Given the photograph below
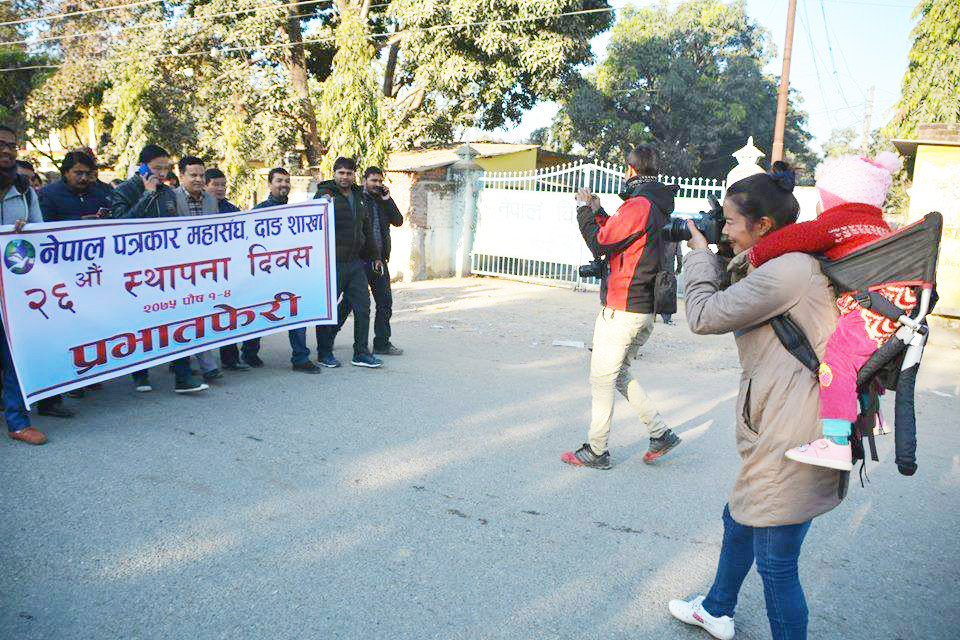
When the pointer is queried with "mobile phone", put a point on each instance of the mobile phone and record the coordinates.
(143, 171)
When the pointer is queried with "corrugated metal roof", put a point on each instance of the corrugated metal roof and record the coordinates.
(414, 161)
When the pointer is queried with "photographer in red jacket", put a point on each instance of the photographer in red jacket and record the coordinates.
(628, 252)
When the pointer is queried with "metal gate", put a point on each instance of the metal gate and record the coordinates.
(527, 228)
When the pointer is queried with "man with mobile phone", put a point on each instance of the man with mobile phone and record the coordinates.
(143, 195)
(73, 197)
(383, 213)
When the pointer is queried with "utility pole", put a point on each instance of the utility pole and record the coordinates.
(776, 153)
(867, 116)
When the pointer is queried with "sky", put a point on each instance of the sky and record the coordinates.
(870, 42)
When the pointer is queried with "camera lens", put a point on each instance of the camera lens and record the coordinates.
(676, 230)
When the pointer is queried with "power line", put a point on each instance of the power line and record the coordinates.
(218, 51)
(68, 14)
(833, 63)
(162, 23)
(816, 66)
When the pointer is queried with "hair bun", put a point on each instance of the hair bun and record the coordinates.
(783, 176)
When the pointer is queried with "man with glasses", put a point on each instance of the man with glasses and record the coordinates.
(18, 206)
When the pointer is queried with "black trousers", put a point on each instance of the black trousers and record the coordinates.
(230, 354)
(382, 298)
(352, 285)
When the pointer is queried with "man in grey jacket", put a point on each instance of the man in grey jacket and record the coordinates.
(19, 205)
(193, 200)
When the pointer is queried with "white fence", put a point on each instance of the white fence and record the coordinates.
(527, 222)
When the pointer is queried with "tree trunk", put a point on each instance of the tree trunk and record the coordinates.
(391, 69)
(298, 79)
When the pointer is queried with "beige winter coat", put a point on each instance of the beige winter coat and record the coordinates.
(778, 403)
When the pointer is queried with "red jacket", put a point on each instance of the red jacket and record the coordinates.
(632, 244)
(835, 233)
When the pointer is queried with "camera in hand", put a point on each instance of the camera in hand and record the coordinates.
(709, 223)
(596, 268)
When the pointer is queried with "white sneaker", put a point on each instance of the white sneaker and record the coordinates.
(692, 612)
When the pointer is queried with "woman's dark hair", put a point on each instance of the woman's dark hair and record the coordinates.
(74, 158)
(345, 163)
(644, 159)
(767, 194)
(151, 152)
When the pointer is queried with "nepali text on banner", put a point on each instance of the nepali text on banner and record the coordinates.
(88, 302)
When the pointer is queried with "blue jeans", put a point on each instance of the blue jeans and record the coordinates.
(14, 409)
(776, 550)
(299, 351)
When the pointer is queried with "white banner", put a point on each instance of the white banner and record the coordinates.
(542, 225)
(86, 302)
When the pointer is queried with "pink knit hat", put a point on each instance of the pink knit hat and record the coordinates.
(854, 179)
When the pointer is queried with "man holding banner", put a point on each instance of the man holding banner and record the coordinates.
(19, 204)
(88, 302)
(144, 195)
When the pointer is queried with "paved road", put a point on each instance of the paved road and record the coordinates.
(427, 500)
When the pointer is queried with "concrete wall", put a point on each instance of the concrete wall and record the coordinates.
(425, 246)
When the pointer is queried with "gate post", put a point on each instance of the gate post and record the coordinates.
(466, 174)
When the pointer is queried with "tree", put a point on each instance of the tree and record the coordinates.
(931, 86)
(506, 56)
(350, 111)
(265, 70)
(16, 85)
(689, 81)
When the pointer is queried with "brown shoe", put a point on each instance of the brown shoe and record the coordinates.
(29, 435)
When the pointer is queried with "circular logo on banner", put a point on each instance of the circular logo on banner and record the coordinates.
(19, 256)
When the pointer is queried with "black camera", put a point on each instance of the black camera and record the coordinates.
(596, 268)
(709, 223)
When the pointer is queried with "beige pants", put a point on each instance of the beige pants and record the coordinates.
(617, 338)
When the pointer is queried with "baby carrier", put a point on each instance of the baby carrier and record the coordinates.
(906, 257)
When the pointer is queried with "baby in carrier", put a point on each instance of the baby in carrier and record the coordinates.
(852, 192)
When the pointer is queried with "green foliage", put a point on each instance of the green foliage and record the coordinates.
(148, 73)
(16, 86)
(484, 75)
(349, 112)
(688, 80)
(931, 86)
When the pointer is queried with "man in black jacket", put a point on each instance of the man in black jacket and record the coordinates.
(143, 195)
(355, 245)
(383, 213)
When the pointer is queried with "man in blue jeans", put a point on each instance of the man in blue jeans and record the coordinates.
(19, 205)
(355, 245)
(278, 180)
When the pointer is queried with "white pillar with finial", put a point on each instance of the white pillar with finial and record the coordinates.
(747, 158)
